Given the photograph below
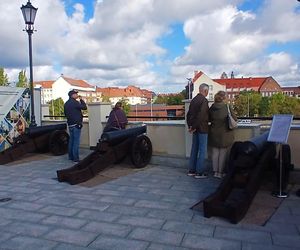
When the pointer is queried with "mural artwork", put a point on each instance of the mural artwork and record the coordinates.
(16, 120)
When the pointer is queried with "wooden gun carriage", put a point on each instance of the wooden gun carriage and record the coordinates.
(53, 138)
(247, 162)
(113, 147)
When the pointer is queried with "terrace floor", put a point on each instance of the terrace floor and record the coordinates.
(141, 209)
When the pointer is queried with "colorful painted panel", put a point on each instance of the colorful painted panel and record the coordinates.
(14, 114)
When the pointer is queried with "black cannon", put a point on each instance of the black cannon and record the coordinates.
(247, 162)
(53, 138)
(113, 147)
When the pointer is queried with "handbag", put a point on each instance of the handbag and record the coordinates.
(231, 122)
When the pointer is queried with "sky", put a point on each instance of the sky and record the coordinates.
(153, 44)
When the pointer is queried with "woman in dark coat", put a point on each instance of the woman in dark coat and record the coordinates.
(220, 137)
(117, 119)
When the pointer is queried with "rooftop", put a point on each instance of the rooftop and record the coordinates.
(143, 209)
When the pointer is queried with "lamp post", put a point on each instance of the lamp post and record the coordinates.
(29, 13)
(189, 88)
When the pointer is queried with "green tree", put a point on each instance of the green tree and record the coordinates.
(56, 107)
(3, 78)
(22, 82)
(105, 99)
(125, 105)
(247, 103)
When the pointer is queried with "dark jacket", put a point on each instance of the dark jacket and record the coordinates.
(220, 136)
(117, 119)
(197, 116)
(72, 109)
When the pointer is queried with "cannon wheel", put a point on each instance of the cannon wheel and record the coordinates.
(141, 151)
(58, 142)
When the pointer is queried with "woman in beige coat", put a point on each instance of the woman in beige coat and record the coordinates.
(220, 137)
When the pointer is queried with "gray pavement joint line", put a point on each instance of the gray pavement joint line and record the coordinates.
(161, 228)
(215, 228)
(272, 240)
(93, 240)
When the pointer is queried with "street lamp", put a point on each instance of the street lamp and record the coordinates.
(189, 90)
(29, 13)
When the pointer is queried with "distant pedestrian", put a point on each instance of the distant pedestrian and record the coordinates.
(197, 120)
(72, 109)
(220, 137)
(117, 119)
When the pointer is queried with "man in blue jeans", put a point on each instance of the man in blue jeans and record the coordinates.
(72, 109)
(197, 120)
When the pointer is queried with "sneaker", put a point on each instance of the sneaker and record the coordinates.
(200, 176)
(191, 173)
(76, 161)
(216, 175)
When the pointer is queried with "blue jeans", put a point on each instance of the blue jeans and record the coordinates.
(73, 147)
(198, 153)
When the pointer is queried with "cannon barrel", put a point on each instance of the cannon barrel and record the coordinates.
(39, 130)
(255, 145)
(120, 135)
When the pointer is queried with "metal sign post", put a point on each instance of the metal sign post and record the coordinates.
(279, 133)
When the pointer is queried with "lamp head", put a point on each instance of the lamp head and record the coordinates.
(29, 13)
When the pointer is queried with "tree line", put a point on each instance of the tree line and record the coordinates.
(22, 79)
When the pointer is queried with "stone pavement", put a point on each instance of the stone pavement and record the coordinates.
(147, 209)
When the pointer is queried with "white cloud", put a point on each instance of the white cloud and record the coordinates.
(119, 45)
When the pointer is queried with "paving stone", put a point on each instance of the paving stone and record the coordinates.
(251, 246)
(30, 243)
(286, 218)
(71, 247)
(137, 189)
(286, 240)
(29, 206)
(242, 235)
(5, 236)
(17, 214)
(129, 210)
(183, 227)
(108, 228)
(142, 195)
(117, 200)
(62, 221)
(157, 236)
(171, 215)
(4, 222)
(84, 197)
(98, 216)
(109, 243)
(202, 242)
(141, 221)
(108, 192)
(282, 228)
(75, 237)
(155, 204)
(180, 199)
(155, 246)
(56, 200)
(27, 229)
(99, 206)
(59, 210)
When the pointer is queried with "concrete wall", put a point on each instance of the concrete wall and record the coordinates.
(170, 138)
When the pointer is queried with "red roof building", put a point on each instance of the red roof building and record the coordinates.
(267, 86)
(291, 91)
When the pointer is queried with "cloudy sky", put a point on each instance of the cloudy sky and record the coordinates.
(153, 44)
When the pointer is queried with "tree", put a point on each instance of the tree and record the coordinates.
(56, 107)
(22, 82)
(3, 78)
(125, 105)
(105, 99)
(247, 103)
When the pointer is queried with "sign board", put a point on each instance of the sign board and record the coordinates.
(280, 128)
